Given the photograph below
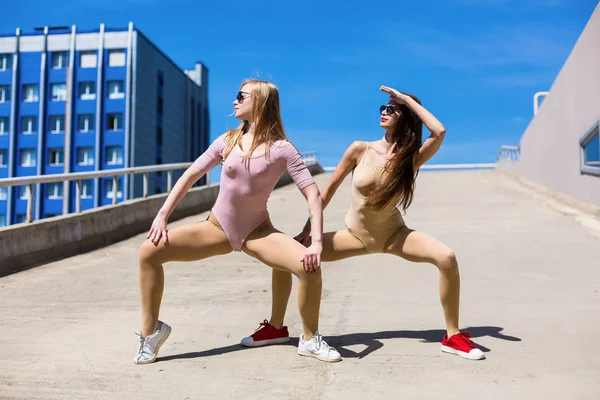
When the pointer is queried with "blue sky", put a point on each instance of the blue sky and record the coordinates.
(474, 63)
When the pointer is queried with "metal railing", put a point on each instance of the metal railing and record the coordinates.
(512, 153)
(78, 177)
(536, 101)
(309, 158)
(436, 167)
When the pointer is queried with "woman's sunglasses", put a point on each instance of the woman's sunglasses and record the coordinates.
(240, 96)
(389, 110)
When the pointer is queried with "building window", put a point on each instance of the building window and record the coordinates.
(56, 157)
(23, 192)
(4, 93)
(115, 90)
(58, 91)
(86, 122)
(108, 189)
(55, 190)
(21, 218)
(87, 91)
(28, 158)
(57, 123)
(590, 151)
(86, 189)
(114, 122)
(31, 93)
(29, 125)
(4, 126)
(114, 155)
(3, 193)
(59, 59)
(5, 62)
(159, 106)
(116, 58)
(85, 156)
(3, 158)
(2, 220)
(88, 59)
(159, 136)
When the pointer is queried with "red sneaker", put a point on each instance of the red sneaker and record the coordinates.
(462, 346)
(266, 334)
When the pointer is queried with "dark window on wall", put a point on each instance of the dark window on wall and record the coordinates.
(193, 136)
(159, 113)
(590, 151)
(5, 62)
(114, 122)
(159, 106)
(159, 136)
(160, 84)
(59, 59)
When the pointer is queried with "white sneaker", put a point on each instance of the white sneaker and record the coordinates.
(148, 346)
(318, 348)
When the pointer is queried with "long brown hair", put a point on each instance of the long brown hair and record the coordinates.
(407, 137)
(266, 116)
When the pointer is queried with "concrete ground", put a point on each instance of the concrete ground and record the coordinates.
(530, 298)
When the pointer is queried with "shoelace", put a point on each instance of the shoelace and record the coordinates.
(265, 324)
(464, 337)
(322, 343)
(142, 344)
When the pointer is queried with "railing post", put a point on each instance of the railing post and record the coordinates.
(208, 178)
(145, 185)
(536, 101)
(169, 180)
(78, 196)
(115, 188)
(29, 217)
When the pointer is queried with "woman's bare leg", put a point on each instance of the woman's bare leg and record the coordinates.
(186, 243)
(418, 247)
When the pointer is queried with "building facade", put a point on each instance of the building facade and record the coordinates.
(75, 101)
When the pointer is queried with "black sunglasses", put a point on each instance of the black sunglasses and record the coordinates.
(240, 96)
(389, 110)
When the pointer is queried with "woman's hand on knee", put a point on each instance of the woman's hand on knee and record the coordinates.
(312, 257)
(158, 230)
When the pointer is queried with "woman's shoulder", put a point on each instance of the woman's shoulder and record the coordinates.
(357, 149)
(283, 145)
(222, 139)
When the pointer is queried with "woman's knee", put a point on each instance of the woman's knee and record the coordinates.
(147, 253)
(447, 260)
(311, 278)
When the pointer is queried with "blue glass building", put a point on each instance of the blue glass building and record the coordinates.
(73, 101)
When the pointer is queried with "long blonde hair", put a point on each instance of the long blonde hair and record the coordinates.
(268, 127)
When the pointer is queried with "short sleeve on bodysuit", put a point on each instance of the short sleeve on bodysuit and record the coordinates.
(295, 166)
(212, 156)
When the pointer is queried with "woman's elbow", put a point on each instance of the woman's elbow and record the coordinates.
(314, 198)
(440, 132)
(190, 176)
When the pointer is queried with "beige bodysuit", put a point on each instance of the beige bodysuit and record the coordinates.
(372, 227)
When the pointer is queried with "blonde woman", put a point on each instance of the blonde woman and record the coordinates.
(253, 158)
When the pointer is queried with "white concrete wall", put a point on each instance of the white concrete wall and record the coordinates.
(550, 146)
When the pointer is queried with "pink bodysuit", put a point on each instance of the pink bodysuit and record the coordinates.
(247, 183)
